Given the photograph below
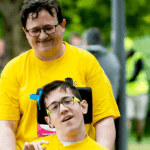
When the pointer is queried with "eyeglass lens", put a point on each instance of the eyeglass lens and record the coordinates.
(47, 29)
(67, 101)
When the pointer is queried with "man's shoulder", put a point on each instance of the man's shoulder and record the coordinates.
(78, 51)
(20, 58)
(17, 62)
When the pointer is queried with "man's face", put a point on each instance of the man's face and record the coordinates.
(45, 45)
(59, 119)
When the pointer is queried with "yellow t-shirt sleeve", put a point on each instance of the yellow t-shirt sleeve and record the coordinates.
(104, 104)
(9, 91)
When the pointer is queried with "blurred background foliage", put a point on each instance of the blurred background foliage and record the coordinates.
(81, 15)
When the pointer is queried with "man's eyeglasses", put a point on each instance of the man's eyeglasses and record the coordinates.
(48, 29)
(66, 101)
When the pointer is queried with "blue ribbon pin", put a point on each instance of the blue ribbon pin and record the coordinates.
(36, 97)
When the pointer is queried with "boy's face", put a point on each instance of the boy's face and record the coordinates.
(67, 120)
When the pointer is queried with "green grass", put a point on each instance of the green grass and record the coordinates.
(133, 145)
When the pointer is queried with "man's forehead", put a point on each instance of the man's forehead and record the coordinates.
(34, 15)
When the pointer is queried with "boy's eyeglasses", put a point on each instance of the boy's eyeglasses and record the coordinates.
(66, 101)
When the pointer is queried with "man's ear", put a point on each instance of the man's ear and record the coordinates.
(24, 30)
(48, 120)
(84, 106)
(63, 24)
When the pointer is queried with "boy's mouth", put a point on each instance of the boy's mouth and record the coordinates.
(67, 118)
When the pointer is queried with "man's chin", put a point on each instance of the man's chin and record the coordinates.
(43, 49)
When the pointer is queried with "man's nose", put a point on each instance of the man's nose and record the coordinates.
(43, 34)
(63, 108)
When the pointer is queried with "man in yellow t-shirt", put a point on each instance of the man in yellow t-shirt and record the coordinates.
(65, 108)
(50, 59)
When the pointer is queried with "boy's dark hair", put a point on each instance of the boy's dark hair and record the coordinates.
(35, 6)
(54, 85)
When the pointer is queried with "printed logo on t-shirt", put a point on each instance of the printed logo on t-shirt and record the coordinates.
(75, 83)
(45, 130)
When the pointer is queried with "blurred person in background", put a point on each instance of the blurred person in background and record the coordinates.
(93, 42)
(2, 51)
(137, 92)
(76, 39)
(50, 59)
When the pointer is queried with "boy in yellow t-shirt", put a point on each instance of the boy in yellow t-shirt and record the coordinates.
(64, 107)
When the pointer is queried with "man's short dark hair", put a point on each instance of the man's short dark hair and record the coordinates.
(93, 36)
(35, 6)
(63, 85)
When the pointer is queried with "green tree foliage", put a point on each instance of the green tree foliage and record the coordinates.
(137, 17)
(1, 26)
(83, 14)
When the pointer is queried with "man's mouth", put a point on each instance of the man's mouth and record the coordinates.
(67, 118)
(45, 41)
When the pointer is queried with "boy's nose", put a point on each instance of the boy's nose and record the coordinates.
(63, 108)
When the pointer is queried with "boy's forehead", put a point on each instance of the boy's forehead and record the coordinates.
(57, 94)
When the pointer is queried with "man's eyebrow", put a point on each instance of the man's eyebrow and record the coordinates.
(35, 28)
(47, 25)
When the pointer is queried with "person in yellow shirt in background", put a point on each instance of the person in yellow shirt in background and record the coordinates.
(137, 92)
(50, 59)
(65, 109)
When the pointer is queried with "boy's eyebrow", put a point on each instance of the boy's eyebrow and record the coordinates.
(59, 100)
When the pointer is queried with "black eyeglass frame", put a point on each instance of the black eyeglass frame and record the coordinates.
(28, 31)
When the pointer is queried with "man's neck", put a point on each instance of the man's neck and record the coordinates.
(53, 54)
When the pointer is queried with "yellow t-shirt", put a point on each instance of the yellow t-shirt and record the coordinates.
(86, 144)
(25, 73)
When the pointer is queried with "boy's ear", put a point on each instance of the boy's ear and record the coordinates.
(84, 106)
(48, 120)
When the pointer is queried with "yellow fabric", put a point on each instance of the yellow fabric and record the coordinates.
(140, 85)
(86, 144)
(25, 73)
